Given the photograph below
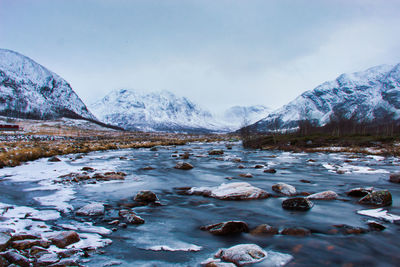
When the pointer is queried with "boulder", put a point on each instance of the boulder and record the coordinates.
(284, 189)
(183, 166)
(64, 239)
(350, 230)
(242, 254)
(216, 152)
(375, 226)
(246, 175)
(36, 249)
(216, 263)
(54, 159)
(45, 259)
(395, 177)
(146, 196)
(325, 195)
(16, 258)
(296, 231)
(297, 203)
(226, 228)
(4, 241)
(230, 191)
(270, 170)
(28, 243)
(377, 198)
(130, 217)
(359, 192)
(22, 236)
(92, 209)
(265, 229)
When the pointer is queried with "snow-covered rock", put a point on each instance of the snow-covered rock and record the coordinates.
(363, 96)
(231, 191)
(29, 90)
(380, 214)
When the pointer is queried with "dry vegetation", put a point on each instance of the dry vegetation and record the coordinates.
(13, 153)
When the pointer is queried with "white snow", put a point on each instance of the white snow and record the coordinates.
(380, 213)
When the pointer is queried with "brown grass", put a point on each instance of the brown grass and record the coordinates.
(17, 152)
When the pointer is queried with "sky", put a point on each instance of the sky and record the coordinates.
(218, 53)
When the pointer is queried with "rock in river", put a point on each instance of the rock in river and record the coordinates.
(359, 192)
(395, 177)
(92, 209)
(285, 189)
(296, 231)
(265, 229)
(325, 195)
(226, 228)
(183, 166)
(146, 196)
(297, 203)
(377, 198)
(130, 217)
(216, 152)
(230, 191)
(64, 239)
(242, 254)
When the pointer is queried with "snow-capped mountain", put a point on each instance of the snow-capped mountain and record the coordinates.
(365, 96)
(239, 116)
(164, 111)
(29, 90)
(156, 111)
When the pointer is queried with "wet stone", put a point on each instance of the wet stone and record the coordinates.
(88, 169)
(375, 226)
(16, 258)
(146, 196)
(28, 243)
(54, 159)
(130, 217)
(325, 195)
(4, 241)
(395, 177)
(359, 192)
(36, 249)
(298, 203)
(64, 239)
(46, 259)
(265, 229)
(216, 152)
(92, 209)
(246, 175)
(242, 254)
(183, 166)
(65, 262)
(296, 231)
(3, 262)
(284, 189)
(226, 228)
(377, 198)
(350, 230)
(271, 170)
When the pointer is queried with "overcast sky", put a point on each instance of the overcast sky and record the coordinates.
(219, 53)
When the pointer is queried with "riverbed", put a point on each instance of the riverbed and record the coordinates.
(171, 236)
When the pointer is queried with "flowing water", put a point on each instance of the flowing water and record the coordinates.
(171, 236)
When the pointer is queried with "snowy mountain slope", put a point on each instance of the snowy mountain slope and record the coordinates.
(369, 95)
(29, 90)
(239, 116)
(164, 111)
(157, 111)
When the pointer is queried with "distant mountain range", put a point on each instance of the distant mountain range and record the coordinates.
(29, 90)
(164, 111)
(367, 96)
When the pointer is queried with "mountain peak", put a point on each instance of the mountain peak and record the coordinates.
(27, 89)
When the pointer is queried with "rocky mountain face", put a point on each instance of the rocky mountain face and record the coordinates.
(367, 96)
(164, 111)
(29, 90)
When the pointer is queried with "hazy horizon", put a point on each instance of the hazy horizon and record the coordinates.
(217, 53)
